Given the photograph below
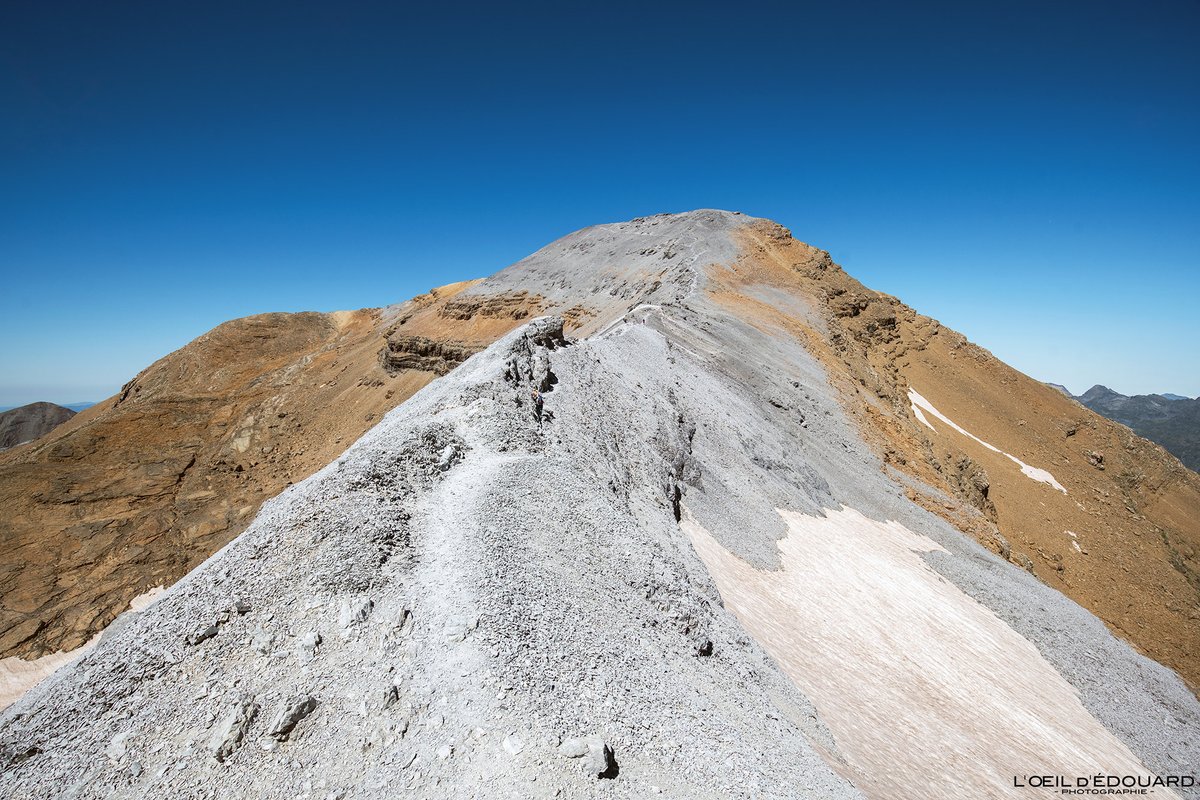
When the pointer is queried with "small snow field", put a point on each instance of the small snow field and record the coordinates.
(910, 674)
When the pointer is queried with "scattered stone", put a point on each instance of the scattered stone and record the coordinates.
(513, 745)
(229, 733)
(203, 634)
(456, 630)
(596, 756)
(354, 613)
(447, 457)
(307, 646)
(295, 709)
(573, 748)
(263, 642)
(240, 607)
(445, 751)
(401, 618)
(116, 746)
(600, 760)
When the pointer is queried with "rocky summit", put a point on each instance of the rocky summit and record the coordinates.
(672, 507)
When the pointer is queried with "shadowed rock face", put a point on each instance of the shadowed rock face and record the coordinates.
(26, 423)
(488, 586)
(422, 353)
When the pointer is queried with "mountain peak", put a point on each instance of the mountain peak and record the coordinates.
(610, 268)
(1099, 391)
(26, 423)
(650, 503)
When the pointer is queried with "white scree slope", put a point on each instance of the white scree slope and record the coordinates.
(475, 601)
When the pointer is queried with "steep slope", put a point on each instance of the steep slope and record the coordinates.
(1169, 420)
(26, 423)
(484, 596)
(142, 487)
(1069, 495)
(137, 490)
(723, 557)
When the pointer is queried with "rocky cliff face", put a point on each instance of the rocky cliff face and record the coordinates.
(767, 533)
(26, 423)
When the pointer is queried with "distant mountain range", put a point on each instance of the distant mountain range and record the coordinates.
(26, 423)
(76, 407)
(1170, 420)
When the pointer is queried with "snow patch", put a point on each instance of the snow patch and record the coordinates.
(909, 673)
(146, 599)
(921, 417)
(1035, 473)
(18, 676)
(1074, 541)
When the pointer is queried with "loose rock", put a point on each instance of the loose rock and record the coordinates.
(229, 733)
(294, 710)
(116, 747)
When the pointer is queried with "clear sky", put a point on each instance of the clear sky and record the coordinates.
(1025, 172)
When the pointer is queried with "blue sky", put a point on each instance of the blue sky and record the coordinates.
(1026, 173)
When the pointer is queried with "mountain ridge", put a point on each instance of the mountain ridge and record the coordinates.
(485, 590)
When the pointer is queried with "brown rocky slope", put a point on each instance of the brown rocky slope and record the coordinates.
(1122, 539)
(137, 490)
